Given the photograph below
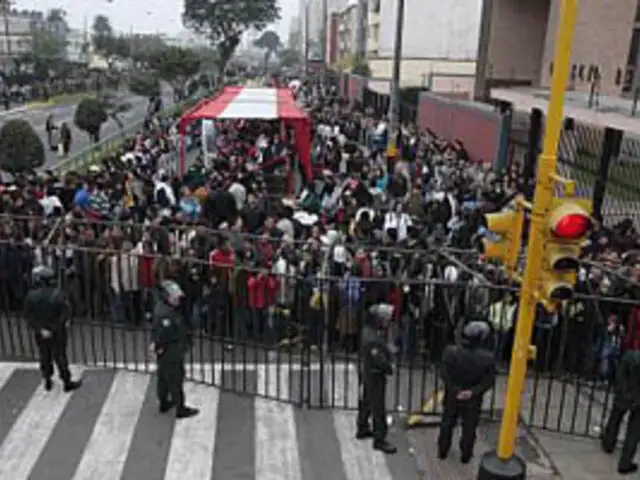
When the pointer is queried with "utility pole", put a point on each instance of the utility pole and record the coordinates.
(394, 98)
(361, 28)
(324, 34)
(503, 464)
(306, 38)
(5, 5)
(480, 90)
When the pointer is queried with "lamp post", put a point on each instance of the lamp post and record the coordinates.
(394, 97)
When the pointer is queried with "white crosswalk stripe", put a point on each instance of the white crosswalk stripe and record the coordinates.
(111, 429)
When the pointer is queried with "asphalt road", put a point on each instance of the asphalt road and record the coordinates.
(37, 116)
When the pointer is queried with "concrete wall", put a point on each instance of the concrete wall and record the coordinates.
(432, 28)
(414, 72)
(517, 39)
(602, 38)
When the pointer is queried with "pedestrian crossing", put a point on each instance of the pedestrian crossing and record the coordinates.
(111, 429)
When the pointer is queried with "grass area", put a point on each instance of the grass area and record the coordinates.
(59, 100)
(623, 181)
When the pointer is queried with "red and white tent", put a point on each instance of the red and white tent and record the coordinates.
(257, 103)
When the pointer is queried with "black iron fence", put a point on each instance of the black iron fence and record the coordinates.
(602, 161)
(295, 336)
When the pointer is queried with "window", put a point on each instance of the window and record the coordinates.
(638, 11)
(618, 79)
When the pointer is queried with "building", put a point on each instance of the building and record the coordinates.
(78, 46)
(16, 31)
(440, 42)
(315, 18)
(348, 34)
(521, 42)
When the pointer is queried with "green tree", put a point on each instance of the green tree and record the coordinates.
(288, 58)
(20, 147)
(361, 67)
(48, 53)
(145, 85)
(89, 116)
(175, 65)
(224, 22)
(270, 42)
(102, 34)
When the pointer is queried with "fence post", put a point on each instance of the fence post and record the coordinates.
(610, 148)
(533, 150)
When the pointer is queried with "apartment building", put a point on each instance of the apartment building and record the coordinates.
(312, 23)
(16, 30)
(348, 34)
(440, 41)
(522, 39)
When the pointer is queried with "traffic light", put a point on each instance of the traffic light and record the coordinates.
(568, 224)
(507, 225)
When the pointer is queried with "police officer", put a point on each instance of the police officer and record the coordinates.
(375, 366)
(169, 345)
(46, 311)
(626, 399)
(468, 371)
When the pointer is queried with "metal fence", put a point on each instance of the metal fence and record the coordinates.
(603, 164)
(295, 337)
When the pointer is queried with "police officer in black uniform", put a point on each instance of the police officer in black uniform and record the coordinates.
(468, 371)
(626, 399)
(376, 365)
(46, 311)
(169, 344)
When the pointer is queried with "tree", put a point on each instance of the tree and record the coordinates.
(89, 116)
(288, 58)
(20, 147)
(175, 65)
(269, 41)
(48, 53)
(224, 22)
(102, 36)
(361, 67)
(144, 85)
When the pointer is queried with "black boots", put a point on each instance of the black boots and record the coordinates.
(69, 386)
(381, 445)
(186, 412)
(72, 385)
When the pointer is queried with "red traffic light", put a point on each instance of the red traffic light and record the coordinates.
(570, 221)
(572, 226)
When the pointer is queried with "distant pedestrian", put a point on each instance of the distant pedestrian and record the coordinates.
(626, 399)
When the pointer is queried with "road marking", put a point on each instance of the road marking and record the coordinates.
(193, 441)
(106, 453)
(29, 435)
(276, 443)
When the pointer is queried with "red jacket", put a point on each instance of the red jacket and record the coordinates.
(261, 291)
(145, 271)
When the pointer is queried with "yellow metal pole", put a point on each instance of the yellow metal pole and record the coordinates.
(541, 202)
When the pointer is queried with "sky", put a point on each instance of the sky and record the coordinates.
(145, 16)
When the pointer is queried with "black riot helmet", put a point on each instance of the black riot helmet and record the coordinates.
(475, 334)
(42, 276)
(171, 293)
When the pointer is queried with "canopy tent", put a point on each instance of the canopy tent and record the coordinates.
(256, 103)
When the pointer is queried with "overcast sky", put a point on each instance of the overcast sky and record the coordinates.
(162, 16)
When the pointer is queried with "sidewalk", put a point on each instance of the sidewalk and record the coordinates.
(549, 456)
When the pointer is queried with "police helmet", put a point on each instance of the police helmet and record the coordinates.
(42, 276)
(171, 292)
(475, 333)
(380, 314)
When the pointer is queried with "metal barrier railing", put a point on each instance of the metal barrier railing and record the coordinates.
(304, 330)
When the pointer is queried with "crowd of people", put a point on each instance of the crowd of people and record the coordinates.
(265, 257)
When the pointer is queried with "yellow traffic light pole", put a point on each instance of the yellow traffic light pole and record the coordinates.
(542, 200)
